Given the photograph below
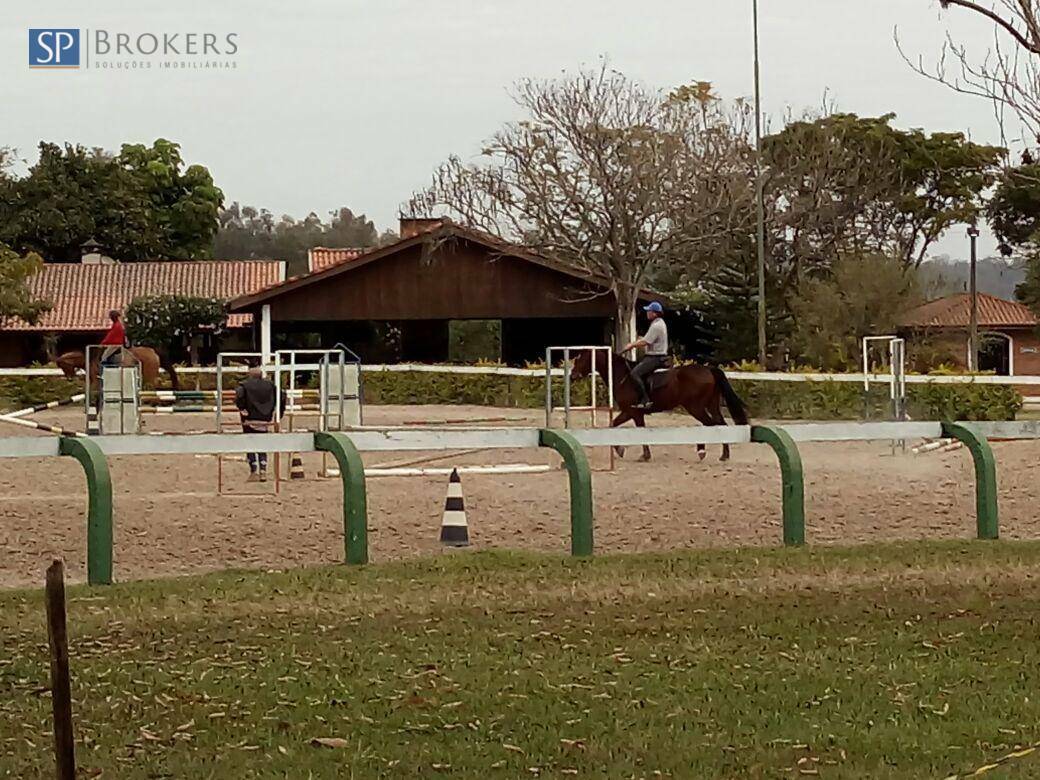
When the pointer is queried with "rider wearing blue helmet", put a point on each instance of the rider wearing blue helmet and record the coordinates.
(656, 356)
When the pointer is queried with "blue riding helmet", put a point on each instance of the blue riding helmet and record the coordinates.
(655, 307)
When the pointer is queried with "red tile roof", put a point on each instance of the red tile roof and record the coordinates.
(954, 311)
(82, 295)
(321, 257)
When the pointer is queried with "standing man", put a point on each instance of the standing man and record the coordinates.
(656, 356)
(255, 399)
(114, 341)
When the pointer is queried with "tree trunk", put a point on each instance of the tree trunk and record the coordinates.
(625, 316)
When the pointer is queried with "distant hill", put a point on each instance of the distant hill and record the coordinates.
(994, 275)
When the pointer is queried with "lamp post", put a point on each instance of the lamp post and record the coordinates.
(759, 200)
(973, 327)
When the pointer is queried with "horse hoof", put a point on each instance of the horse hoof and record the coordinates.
(619, 451)
(644, 458)
(701, 454)
(724, 458)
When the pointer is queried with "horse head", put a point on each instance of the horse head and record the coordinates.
(581, 366)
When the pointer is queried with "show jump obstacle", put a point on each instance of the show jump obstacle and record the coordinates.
(117, 408)
(335, 405)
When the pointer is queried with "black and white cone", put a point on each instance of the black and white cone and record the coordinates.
(454, 530)
(296, 467)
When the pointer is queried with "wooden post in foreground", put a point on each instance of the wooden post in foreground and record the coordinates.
(61, 688)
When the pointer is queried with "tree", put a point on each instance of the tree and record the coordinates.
(1014, 216)
(246, 232)
(171, 323)
(610, 177)
(842, 182)
(838, 186)
(1008, 75)
(140, 204)
(863, 296)
(16, 299)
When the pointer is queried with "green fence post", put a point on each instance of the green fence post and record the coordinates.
(791, 478)
(355, 500)
(99, 506)
(581, 487)
(986, 517)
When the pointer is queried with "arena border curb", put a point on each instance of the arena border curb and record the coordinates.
(580, 475)
(99, 506)
(987, 522)
(792, 480)
(355, 498)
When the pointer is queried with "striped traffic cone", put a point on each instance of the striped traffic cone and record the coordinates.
(296, 467)
(454, 531)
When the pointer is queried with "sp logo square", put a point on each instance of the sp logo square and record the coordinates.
(53, 48)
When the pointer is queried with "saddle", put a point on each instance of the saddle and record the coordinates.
(661, 375)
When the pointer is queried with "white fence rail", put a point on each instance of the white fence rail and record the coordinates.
(503, 438)
(762, 376)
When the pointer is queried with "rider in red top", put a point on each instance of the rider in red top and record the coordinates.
(115, 339)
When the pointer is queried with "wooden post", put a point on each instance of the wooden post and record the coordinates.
(61, 689)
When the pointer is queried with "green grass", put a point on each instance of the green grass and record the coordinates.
(906, 661)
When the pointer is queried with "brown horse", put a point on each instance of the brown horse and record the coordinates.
(146, 357)
(699, 390)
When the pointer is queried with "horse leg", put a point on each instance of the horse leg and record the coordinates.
(622, 417)
(719, 419)
(640, 420)
(703, 416)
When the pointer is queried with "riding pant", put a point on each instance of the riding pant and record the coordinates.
(645, 368)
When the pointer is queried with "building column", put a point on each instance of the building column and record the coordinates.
(265, 333)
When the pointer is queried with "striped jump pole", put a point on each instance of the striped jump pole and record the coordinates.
(49, 405)
(39, 426)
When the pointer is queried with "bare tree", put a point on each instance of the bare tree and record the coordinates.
(1008, 74)
(610, 177)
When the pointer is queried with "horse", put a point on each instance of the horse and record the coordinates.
(699, 390)
(146, 357)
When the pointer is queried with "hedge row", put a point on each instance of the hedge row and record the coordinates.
(765, 399)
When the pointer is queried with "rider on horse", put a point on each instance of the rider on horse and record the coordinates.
(114, 341)
(656, 356)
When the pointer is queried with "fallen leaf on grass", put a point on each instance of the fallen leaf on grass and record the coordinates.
(512, 748)
(330, 742)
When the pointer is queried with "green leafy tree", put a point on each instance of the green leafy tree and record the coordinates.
(246, 232)
(863, 296)
(841, 186)
(1014, 216)
(16, 299)
(171, 323)
(140, 204)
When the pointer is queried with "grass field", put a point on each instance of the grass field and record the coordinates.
(907, 661)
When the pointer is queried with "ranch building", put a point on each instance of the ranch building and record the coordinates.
(82, 294)
(1009, 343)
(441, 292)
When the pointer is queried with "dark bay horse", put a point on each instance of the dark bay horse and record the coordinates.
(699, 390)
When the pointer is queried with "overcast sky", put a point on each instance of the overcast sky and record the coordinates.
(354, 103)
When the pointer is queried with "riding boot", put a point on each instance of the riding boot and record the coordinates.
(644, 396)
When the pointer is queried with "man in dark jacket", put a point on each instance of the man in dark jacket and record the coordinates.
(255, 399)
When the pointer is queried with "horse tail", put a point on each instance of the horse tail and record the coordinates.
(733, 403)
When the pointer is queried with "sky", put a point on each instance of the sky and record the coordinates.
(354, 104)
